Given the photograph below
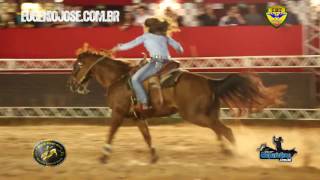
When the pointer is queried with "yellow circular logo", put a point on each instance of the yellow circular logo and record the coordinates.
(49, 153)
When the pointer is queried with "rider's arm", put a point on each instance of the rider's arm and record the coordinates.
(177, 46)
(131, 44)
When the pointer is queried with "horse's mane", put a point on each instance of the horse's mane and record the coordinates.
(86, 49)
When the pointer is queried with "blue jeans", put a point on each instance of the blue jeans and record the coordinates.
(149, 69)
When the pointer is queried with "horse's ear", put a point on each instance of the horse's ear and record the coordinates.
(85, 48)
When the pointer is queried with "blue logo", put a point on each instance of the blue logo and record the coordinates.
(282, 155)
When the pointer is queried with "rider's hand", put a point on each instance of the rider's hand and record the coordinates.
(180, 50)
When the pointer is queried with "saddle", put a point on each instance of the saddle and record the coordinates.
(167, 77)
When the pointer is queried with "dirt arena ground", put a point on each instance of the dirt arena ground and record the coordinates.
(186, 152)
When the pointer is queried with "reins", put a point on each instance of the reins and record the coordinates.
(95, 63)
(91, 66)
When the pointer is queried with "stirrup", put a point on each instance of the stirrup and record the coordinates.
(133, 100)
(132, 109)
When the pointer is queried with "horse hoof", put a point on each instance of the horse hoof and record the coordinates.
(154, 159)
(230, 137)
(232, 141)
(103, 159)
(227, 152)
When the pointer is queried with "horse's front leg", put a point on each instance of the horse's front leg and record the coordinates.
(116, 121)
(144, 129)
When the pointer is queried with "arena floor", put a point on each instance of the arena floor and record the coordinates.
(186, 152)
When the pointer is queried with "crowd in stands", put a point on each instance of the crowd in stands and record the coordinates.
(198, 14)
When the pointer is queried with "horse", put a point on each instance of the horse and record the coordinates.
(196, 98)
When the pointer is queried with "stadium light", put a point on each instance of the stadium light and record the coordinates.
(31, 7)
(315, 2)
(169, 4)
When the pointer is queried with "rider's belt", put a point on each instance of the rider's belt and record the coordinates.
(159, 59)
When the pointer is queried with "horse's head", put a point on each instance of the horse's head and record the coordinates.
(87, 58)
(80, 74)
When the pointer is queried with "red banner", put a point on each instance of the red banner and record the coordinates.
(197, 41)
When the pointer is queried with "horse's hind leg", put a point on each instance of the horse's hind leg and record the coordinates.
(116, 121)
(220, 129)
(208, 121)
(211, 121)
(144, 129)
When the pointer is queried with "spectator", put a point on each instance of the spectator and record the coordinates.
(253, 17)
(8, 19)
(232, 18)
(128, 20)
(208, 18)
(292, 19)
(173, 17)
(141, 15)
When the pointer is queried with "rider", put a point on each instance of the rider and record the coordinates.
(156, 41)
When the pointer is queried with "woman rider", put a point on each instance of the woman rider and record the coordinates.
(156, 41)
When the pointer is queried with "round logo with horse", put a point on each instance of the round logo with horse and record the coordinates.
(49, 153)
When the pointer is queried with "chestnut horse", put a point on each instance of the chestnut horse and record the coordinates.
(196, 98)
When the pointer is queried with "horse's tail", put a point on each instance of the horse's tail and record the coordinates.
(245, 92)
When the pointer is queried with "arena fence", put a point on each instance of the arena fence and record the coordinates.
(105, 112)
(198, 64)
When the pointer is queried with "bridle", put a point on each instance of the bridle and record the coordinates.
(95, 63)
(90, 67)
